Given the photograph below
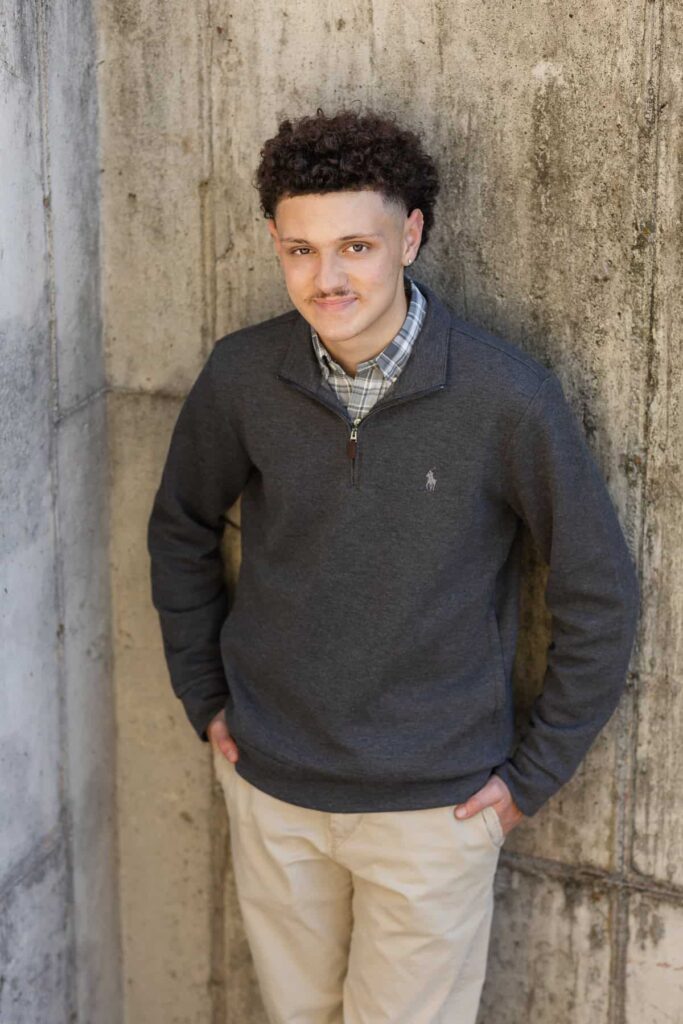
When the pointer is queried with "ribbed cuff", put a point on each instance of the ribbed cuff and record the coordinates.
(202, 703)
(529, 785)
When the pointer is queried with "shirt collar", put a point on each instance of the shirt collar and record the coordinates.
(392, 357)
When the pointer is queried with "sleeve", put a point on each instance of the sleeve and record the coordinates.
(205, 471)
(553, 483)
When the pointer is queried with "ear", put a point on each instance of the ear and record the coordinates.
(412, 234)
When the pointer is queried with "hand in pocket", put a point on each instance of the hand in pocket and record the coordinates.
(219, 736)
(494, 793)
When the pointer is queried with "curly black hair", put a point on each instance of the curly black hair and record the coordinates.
(348, 151)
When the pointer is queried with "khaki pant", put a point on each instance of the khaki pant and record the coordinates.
(362, 918)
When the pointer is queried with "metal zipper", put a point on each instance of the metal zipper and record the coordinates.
(351, 446)
(352, 440)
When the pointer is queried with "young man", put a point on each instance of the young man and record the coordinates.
(357, 691)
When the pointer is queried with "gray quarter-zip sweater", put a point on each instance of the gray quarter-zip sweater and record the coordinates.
(365, 657)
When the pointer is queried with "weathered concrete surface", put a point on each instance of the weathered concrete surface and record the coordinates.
(90, 748)
(654, 972)
(58, 926)
(164, 789)
(172, 827)
(550, 954)
(155, 148)
(658, 795)
(556, 130)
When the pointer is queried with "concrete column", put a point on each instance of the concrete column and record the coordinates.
(59, 932)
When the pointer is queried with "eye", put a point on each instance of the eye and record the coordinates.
(364, 244)
(293, 252)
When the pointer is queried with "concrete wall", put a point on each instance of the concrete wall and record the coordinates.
(59, 948)
(557, 129)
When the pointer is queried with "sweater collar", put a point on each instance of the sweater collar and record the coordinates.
(425, 370)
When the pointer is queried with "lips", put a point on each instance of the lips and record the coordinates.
(333, 305)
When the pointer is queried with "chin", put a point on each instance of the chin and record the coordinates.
(339, 333)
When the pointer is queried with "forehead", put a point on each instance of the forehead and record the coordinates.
(331, 216)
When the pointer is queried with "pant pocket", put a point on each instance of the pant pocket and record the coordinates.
(223, 768)
(493, 826)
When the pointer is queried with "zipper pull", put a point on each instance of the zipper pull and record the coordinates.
(352, 444)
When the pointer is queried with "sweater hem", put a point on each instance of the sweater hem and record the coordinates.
(296, 785)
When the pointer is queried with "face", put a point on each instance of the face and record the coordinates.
(343, 255)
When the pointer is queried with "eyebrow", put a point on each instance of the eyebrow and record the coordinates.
(343, 238)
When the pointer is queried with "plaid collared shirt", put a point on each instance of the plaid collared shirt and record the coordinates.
(374, 376)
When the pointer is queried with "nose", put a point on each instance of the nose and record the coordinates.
(330, 279)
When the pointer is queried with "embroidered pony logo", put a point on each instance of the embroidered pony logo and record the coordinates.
(431, 481)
